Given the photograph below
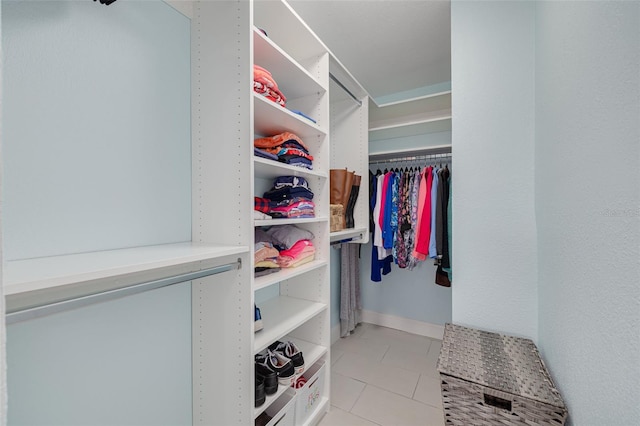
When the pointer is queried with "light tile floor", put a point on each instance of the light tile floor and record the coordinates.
(385, 377)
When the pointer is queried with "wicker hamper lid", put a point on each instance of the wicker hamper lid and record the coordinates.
(506, 363)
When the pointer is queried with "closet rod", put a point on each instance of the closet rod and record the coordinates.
(65, 305)
(346, 240)
(342, 86)
(439, 156)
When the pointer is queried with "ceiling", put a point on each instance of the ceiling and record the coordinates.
(390, 46)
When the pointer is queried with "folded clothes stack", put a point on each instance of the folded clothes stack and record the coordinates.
(264, 84)
(284, 246)
(296, 246)
(265, 254)
(285, 147)
(300, 253)
(289, 197)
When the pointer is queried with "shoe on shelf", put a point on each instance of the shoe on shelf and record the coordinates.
(270, 379)
(260, 396)
(257, 319)
(277, 363)
(290, 350)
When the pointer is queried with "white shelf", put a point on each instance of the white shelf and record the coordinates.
(280, 316)
(412, 117)
(286, 273)
(311, 352)
(29, 275)
(354, 233)
(292, 79)
(397, 110)
(414, 127)
(271, 119)
(286, 28)
(411, 152)
(265, 168)
(285, 221)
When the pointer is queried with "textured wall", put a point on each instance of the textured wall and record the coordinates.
(494, 251)
(588, 205)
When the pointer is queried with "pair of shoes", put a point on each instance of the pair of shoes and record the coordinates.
(290, 350)
(279, 364)
(257, 319)
(260, 395)
(270, 379)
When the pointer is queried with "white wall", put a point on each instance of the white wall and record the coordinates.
(588, 205)
(95, 135)
(571, 277)
(122, 362)
(494, 234)
(96, 100)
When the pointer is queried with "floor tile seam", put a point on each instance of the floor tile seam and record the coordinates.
(333, 361)
(401, 365)
(365, 382)
(396, 340)
(374, 341)
(353, 352)
(399, 350)
(396, 393)
(356, 403)
(416, 388)
(349, 377)
(355, 415)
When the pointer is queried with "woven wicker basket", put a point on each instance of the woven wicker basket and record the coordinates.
(492, 379)
(336, 217)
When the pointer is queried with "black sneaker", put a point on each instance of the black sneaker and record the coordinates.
(290, 350)
(277, 363)
(270, 379)
(260, 396)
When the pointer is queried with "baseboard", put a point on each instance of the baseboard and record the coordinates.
(433, 331)
(335, 333)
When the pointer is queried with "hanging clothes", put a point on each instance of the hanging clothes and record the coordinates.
(409, 217)
(433, 253)
(380, 259)
(350, 306)
(424, 219)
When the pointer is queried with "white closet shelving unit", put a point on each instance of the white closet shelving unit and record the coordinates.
(297, 299)
(294, 303)
(350, 143)
(417, 116)
(226, 116)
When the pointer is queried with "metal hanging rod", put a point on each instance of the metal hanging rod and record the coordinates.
(345, 240)
(65, 305)
(342, 86)
(427, 157)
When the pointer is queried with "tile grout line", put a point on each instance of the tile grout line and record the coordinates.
(416, 388)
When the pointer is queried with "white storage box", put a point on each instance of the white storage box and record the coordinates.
(282, 409)
(310, 396)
